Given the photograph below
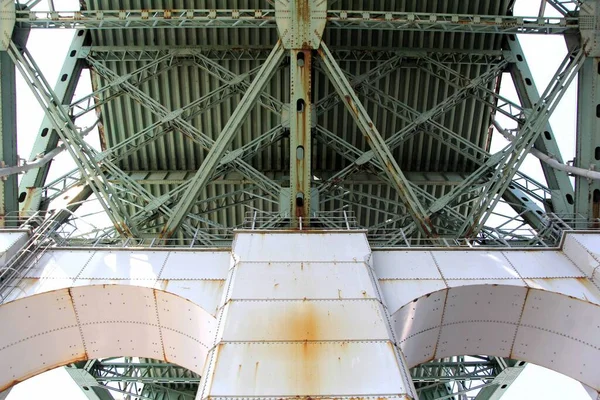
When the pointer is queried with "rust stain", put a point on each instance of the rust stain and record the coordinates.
(44, 368)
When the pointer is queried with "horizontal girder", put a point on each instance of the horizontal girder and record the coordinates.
(265, 18)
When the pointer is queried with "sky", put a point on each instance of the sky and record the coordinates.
(544, 54)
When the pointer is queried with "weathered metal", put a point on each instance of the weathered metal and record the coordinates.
(74, 324)
(299, 322)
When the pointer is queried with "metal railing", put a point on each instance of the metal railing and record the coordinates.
(47, 233)
(555, 225)
(333, 220)
(19, 265)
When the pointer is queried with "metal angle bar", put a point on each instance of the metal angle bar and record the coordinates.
(531, 130)
(141, 75)
(265, 18)
(425, 118)
(8, 138)
(500, 168)
(459, 143)
(47, 138)
(261, 52)
(587, 192)
(81, 153)
(379, 146)
(373, 75)
(565, 7)
(211, 161)
(481, 93)
(558, 180)
(176, 118)
(228, 77)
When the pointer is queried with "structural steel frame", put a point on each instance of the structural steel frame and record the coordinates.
(413, 215)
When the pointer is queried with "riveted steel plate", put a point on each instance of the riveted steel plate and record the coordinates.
(303, 320)
(471, 282)
(310, 247)
(474, 265)
(181, 315)
(131, 265)
(131, 304)
(119, 319)
(419, 315)
(11, 242)
(399, 264)
(302, 280)
(148, 283)
(31, 286)
(60, 264)
(184, 351)
(579, 254)
(27, 317)
(303, 369)
(476, 337)
(563, 315)
(7, 22)
(421, 347)
(398, 293)
(40, 354)
(206, 293)
(197, 265)
(484, 302)
(543, 264)
(580, 288)
(301, 23)
(561, 354)
(590, 241)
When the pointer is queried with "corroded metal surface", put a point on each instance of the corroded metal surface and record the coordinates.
(308, 314)
(69, 325)
(301, 23)
(313, 337)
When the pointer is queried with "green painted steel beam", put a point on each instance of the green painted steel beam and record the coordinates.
(80, 151)
(89, 386)
(47, 138)
(587, 155)
(558, 181)
(219, 147)
(301, 121)
(265, 18)
(8, 137)
(496, 174)
(378, 145)
(261, 52)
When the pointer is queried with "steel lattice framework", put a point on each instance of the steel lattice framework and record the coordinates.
(215, 119)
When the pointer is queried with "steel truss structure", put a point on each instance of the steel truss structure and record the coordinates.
(476, 377)
(215, 119)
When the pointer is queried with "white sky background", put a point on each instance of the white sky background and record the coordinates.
(544, 54)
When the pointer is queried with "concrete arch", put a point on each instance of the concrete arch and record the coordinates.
(48, 330)
(544, 327)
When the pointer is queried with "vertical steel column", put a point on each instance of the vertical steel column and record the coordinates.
(587, 191)
(558, 181)
(30, 187)
(301, 338)
(8, 135)
(300, 134)
(587, 153)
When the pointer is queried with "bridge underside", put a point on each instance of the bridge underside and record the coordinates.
(309, 116)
